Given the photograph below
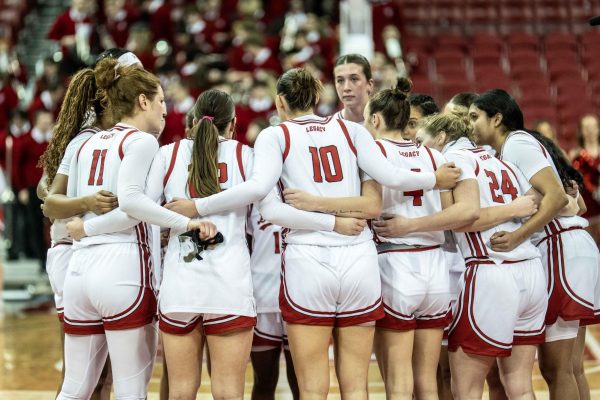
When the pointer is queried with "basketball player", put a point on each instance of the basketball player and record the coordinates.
(513, 279)
(270, 334)
(67, 137)
(330, 282)
(569, 255)
(354, 85)
(108, 295)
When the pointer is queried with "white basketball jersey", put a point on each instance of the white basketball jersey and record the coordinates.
(499, 183)
(98, 162)
(320, 158)
(412, 204)
(530, 156)
(231, 224)
(58, 229)
(265, 262)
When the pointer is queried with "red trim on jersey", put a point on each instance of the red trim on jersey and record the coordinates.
(311, 121)
(266, 339)
(83, 327)
(81, 147)
(238, 154)
(286, 136)
(510, 169)
(239, 322)
(416, 249)
(347, 134)
(382, 148)
(402, 144)
(121, 155)
(172, 163)
(476, 245)
(476, 168)
(175, 327)
(431, 156)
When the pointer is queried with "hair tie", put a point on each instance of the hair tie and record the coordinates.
(207, 117)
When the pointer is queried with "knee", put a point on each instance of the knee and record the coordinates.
(183, 392)
(551, 371)
(265, 383)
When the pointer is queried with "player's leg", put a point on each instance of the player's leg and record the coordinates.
(425, 360)
(85, 356)
(394, 355)
(183, 342)
(495, 387)
(468, 374)
(104, 386)
(291, 373)
(578, 367)
(515, 372)
(444, 376)
(309, 345)
(265, 364)
(555, 360)
(132, 353)
(229, 353)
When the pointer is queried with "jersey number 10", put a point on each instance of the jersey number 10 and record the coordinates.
(329, 158)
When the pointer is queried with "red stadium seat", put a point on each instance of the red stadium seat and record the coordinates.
(522, 40)
(451, 41)
(486, 56)
(560, 40)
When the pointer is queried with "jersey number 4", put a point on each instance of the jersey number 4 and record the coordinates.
(327, 159)
(417, 195)
(97, 155)
(507, 186)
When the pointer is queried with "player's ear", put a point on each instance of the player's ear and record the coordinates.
(440, 139)
(497, 120)
(143, 102)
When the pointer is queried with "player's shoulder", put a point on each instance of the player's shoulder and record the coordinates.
(517, 137)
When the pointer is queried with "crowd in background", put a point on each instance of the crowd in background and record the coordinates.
(238, 46)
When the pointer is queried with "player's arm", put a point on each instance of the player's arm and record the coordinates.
(367, 205)
(374, 164)
(42, 187)
(528, 158)
(460, 207)
(266, 170)
(138, 154)
(57, 205)
(489, 217)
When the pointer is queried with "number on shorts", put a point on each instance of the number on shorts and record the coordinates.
(417, 195)
(277, 245)
(507, 186)
(326, 156)
(98, 154)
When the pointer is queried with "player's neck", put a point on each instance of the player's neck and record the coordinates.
(299, 114)
(395, 135)
(354, 114)
(498, 142)
(134, 121)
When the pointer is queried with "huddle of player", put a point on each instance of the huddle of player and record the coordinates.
(490, 247)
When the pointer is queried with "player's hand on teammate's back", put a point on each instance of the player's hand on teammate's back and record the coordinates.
(524, 206)
(504, 241)
(75, 228)
(446, 176)
(300, 199)
(391, 225)
(207, 229)
(349, 226)
(101, 202)
(183, 206)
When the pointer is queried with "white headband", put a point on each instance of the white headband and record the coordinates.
(128, 59)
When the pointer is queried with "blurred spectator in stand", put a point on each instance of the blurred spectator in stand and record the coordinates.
(49, 100)
(587, 161)
(385, 13)
(253, 130)
(74, 30)
(260, 105)
(50, 76)
(140, 43)
(8, 99)
(545, 127)
(181, 102)
(159, 16)
(295, 19)
(119, 19)
(14, 212)
(257, 56)
(9, 62)
(328, 103)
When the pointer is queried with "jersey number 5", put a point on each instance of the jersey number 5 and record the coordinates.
(97, 155)
(507, 186)
(327, 157)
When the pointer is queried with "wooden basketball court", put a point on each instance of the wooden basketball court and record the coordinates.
(31, 360)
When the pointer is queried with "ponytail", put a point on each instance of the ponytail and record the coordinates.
(204, 172)
(393, 105)
(76, 108)
(214, 110)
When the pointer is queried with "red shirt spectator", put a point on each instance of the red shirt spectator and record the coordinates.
(8, 102)
(175, 121)
(119, 19)
(70, 23)
(30, 149)
(49, 100)
(161, 23)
